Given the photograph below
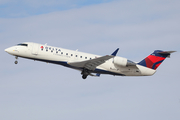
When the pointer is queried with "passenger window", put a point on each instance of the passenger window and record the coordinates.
(76, 56)
(47, 50)
(71, 54)
(66, 53)
(85, 57)
(56, 51)
(81, 56)
(61, 52)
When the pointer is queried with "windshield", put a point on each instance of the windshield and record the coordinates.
(22, 44)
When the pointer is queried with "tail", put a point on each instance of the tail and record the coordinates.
(155, 59)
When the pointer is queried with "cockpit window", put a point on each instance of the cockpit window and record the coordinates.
(22, 44)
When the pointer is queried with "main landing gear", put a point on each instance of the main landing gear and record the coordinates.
(85, 73)
(16, 62)
(84, 76)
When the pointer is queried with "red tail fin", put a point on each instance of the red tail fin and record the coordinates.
(155, 59)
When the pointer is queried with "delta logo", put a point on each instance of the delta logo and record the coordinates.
(50, 48)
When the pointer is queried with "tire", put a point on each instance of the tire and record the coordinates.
(84, 76)
(16, 62)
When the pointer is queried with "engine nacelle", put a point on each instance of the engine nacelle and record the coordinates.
(120, 61)
(123, 62)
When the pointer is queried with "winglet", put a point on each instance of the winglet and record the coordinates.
(98, 75)
(115, 52)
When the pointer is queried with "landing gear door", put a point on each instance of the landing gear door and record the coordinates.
(35, 49)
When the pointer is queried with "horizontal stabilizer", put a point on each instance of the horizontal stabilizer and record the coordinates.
(168, 53)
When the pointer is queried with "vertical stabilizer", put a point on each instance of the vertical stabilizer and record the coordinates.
(155, 59)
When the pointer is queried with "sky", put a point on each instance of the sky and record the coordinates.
(33, 90)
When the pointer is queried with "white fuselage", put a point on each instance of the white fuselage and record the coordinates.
(62, 56)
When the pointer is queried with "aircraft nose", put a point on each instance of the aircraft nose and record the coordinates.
(9, 50)
(6, 50)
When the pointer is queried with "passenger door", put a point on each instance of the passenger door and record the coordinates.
(35, 49)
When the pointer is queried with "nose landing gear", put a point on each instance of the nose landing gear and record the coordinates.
(16, 62)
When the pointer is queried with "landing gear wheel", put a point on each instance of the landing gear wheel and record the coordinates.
(16, 62)
(85, 73)
(84, 76)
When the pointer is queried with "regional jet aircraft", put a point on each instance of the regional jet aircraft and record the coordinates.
(89, 64)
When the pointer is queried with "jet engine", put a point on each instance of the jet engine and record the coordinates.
(123, 62)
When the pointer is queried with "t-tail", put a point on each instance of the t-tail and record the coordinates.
(155, 59)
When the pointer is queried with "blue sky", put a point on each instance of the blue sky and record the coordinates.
(24, 8)
(34, 90)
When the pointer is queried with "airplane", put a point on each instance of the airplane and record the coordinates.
(89, 64)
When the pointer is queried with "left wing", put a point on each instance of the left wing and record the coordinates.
(91, 64)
